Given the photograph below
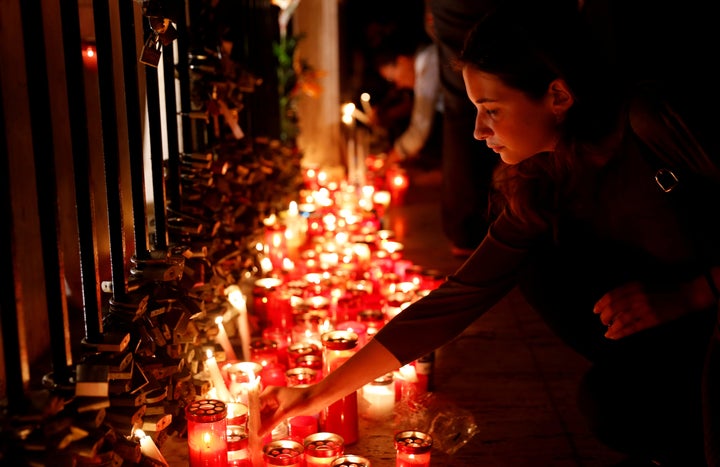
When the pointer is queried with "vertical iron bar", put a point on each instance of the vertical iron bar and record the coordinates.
(173, 144)
(10, 313)
(90, 276)
(108, 117)
(135, 130)
(47, 194)
(183, 72)
(156, 156)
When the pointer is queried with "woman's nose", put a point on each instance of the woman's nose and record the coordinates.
(481, 131)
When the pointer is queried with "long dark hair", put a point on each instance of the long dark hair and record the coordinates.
(528, 44)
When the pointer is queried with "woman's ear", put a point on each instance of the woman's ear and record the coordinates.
(561, 98)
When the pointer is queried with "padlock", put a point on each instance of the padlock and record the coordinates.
(151, 52)
(169, 35)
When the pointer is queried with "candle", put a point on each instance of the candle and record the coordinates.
(413, 449)
(349, 120)
(266, 301)
(240, 374)
(149, 449)
(322, 449)
(237, 299)
(224, 341)
(379, 398)
(207, 433)
(263, 351)
(255, 442)
(273, 374)
(341, 416)
(351, 461)
(284, 452)
(365, 102)
(237, 446)
(302, 426)
(218, 382)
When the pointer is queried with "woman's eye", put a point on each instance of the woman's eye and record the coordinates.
(491, 112)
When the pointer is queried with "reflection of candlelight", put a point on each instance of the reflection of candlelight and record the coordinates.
(398, 183)
(237, 299)
(149, 448)
(224, 341)
(89, 55)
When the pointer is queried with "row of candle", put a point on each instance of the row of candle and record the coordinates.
(331, 279)
(215, 439)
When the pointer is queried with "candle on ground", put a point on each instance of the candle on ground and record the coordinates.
(149, 449)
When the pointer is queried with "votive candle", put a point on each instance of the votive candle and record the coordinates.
(322, 448)
(284, 452)
(413, 449)
(207, 433)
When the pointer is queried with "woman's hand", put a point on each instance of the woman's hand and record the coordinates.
(279, 403)
(631, 308)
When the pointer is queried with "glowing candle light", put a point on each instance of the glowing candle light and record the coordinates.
(207, 433)
(237, 299)
(413, 449)
(149, 449)
(365, 102)
(224, 341)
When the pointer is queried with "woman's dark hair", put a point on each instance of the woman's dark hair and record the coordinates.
(527, 45)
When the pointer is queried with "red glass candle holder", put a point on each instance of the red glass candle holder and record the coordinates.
(284, 452)
(321, 449)
(300, 349)
(351, 461)
(263, 351)
(237, 440)
(282, 337)
(413, 449)
(207, 433)
(273, 374)
(266, 301)
(300, 376)
(340, 417)
(302, 426)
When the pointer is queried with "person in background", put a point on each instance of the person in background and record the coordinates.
(410, 62)
(594, 242)
(467, 164)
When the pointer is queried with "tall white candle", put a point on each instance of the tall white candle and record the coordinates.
(237, 299)
(255, 442)
(349, 120)
(149, 449)
(224, 341)
(216, 377)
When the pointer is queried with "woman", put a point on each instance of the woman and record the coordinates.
(583, 229)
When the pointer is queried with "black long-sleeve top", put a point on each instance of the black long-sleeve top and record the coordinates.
(618, 226)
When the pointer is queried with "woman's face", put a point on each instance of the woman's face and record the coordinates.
(511, 123)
